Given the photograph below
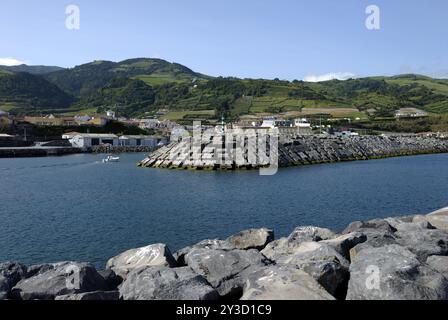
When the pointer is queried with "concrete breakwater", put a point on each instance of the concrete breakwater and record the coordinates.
(382, 259)
(292, 151)
(55, 150)
(39, 151)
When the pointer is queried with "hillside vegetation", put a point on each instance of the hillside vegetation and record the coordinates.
(143, 86)
(28, 92)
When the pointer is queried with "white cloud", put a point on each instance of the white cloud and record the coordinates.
(329, 76)
(10, 62)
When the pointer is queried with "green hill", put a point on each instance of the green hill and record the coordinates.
(31, 69)
(144, 86)
(29, 92)
(127, 96)
(86, 79)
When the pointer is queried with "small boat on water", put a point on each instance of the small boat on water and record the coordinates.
(111, 159)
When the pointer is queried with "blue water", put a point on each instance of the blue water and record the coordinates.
(76, 208)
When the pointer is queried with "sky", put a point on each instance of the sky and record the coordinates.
(286, 39)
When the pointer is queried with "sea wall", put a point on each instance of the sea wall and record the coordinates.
(37, 151)
(403, 258)
(292, 151)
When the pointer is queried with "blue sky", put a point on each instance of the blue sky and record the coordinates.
(288, 39)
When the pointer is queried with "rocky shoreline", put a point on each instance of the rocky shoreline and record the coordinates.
(293, 151)
(403, 258)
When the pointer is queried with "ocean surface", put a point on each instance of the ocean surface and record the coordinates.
(77, 208)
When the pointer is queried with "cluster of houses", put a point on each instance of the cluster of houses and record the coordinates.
(65, 121)
(88, 140)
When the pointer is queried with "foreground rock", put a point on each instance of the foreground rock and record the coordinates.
(10, 274)
(438, 219)
(93, 296)
(423, 242)
(344, 243)
(214, 244)
(286, 246)
(252, 239)
(323, 263)
(283, 283)
(149, 256)
(439, 263)
(59, 279)
(226, 271)
(161, 283)
(394, 273)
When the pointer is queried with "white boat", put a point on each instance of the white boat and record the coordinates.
(111, 159)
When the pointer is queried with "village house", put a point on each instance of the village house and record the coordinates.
(139, 140)
(52, 120)
(87, 140)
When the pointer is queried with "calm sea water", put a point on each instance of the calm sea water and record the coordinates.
(76, 208)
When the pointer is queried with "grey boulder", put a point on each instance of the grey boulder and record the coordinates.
(376, 225)
(344, 243)
(226, 271)
(323, 263)
(438, 219)
(10, 274)
(59, 279)
(374, 240)
(285, 246)
(394, 273)
(251, 239)
(439, 263)
(149, 256)
(423, 242)
(283, 283)
(161, 283)
(214, 244)
(93, 296)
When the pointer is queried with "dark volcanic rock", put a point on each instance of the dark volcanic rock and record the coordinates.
(10, 274)
(251, 239)
(439, 263)
(226, 271)
(111, 278)
(150, 256)
(161, 283)
(214, 244)
(283, 283)
(285, 246)
(323, 263)
(344, 243)
(374, 240)
(95, 296)
(60, 279)
(394, 273)
(423, 242)
(364, 226)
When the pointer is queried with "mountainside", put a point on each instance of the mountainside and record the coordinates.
(144, 86)
(28, 92)
(86, 79)
(31, 69)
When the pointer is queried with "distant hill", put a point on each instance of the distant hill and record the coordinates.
(28, 92)
(143, 86)
(127, 96)
(31, 69)
(86, 79)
